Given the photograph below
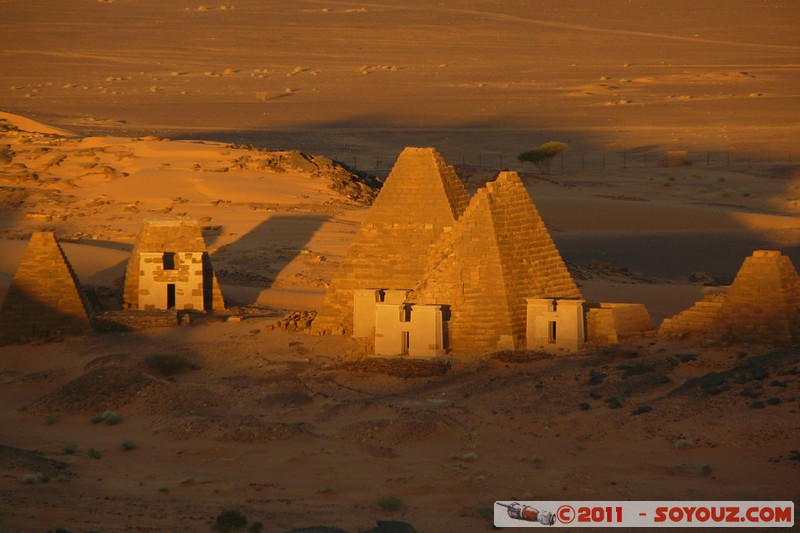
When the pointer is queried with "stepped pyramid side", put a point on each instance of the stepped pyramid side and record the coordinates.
(763, 303)
(159, 236)
(421, 199)
(44, 296)
(697, 320)
(498, 254)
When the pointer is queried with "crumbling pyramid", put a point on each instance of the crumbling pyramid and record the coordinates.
(498, 254)
(421, 199)
(762, 306)
(174, 236)
(44, 298)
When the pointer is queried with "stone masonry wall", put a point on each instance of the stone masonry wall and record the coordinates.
(421, 199)
(761, 306)
(159, 236)
(44, 298)
(498, 254)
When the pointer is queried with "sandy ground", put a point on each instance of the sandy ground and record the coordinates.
(296, 430)
(368, 78)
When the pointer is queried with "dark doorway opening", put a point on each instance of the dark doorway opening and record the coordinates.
(170, 296)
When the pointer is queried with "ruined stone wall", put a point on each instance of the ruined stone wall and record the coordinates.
(44, 298)
(498, 254)
(763, 302)
(421, 199)
(697, 320)
(611, 322)
(159, 236)
(761, 306)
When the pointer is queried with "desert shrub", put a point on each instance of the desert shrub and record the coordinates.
(94, 454)
(70, 448)
(128, 445)
(256, 527)
(109, 417)
(542, 156)
(485, 511)
(51, 419)
(390, 503)
(168, 364)
(38, 477)
(230, 520)
(469, 457)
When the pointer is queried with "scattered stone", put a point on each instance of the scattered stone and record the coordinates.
(584, 406)
(757, 405)
(391, 526)
(293, 321)
(613, 403)
(640, 409)
(691, 470)
(774, 401)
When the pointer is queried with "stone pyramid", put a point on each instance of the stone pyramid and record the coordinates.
(761, 306)
(45, 297)
(498, 254)
(421, 199)
(172, 235)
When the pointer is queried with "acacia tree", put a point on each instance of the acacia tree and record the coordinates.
(542, 156)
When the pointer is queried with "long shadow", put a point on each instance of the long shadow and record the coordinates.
(257, 258)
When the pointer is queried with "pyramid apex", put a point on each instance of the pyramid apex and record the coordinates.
(766, 253)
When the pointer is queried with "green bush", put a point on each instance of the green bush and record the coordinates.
(128, 445)
(390, 503)
(542, 156)
(109, 417)
(228, 521)
(94, 454)
(168, 364)
(70, 449)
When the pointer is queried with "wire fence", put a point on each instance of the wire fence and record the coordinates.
(573, 161)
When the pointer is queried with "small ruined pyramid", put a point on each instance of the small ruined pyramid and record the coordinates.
(44, 298)
(761, 306)
(173, 236)
(498, 254)
(421, 199)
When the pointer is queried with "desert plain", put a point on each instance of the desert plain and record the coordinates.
(119, 111)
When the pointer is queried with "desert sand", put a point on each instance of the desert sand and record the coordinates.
(116, 112)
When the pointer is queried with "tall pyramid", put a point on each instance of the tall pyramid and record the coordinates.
(498, 254)
(183, 239)
(44, 297)
(421, 199)
(761, 306)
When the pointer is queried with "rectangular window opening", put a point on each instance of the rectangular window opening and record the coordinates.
(169, 260)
